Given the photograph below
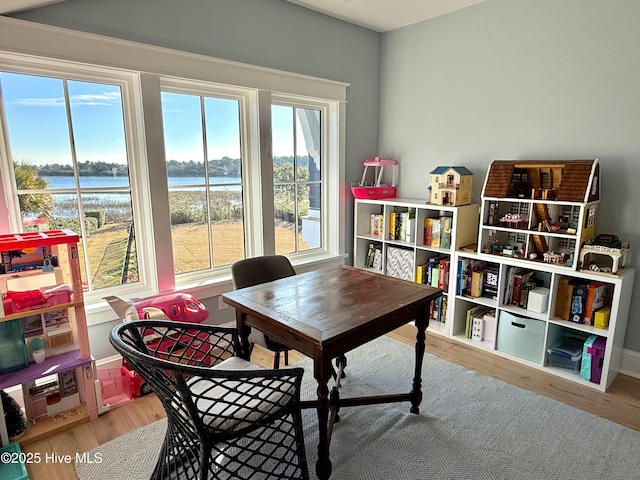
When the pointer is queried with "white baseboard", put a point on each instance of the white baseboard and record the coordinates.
(114, 361)
(630, 363)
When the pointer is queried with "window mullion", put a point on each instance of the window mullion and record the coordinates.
(266, 173)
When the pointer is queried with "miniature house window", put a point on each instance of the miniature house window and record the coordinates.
(591, 216)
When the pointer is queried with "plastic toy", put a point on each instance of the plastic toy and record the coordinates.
(375, 190)
(450, 186)
(177, 307)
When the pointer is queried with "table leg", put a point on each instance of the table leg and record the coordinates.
(322, 372)
(416, 391)
(243, 332)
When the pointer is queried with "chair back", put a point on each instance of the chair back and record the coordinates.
(218, 405)
(257, 270)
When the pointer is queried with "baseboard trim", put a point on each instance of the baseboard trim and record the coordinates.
(630, 363)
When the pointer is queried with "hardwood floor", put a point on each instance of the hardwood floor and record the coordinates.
(621, 403)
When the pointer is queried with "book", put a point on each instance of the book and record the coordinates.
(420, 273)
(476, 283)
(562, 308)
(578, 298)
(477, 329)
(596, 294)
(490, 283)
(410, 227)
(508, 289)
(401, 226)
(446, 224)
(490, 328)
(435, 233)
(392, 226)
(463, 264)
(428, 229)
(377, 258)
(443, 274)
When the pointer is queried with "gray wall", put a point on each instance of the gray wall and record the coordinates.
(269, 33)
(517, 79)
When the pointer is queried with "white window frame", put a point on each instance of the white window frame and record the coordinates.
(138, 172)
(148, 66)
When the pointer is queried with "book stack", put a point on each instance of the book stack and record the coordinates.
(438, 310)
(402, 226)
(476, 328)
(437, 231)
(374, 257)
(519, 283)
(435, 272)
(579, 300)
(376, 225)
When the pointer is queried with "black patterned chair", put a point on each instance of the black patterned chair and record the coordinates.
(226, 418)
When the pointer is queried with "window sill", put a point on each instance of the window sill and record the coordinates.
(101, 312)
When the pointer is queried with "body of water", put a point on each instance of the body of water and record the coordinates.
(106, 182)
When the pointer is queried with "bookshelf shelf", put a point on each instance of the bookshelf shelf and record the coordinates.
(561, 311)
(474, 228)
(409, 257)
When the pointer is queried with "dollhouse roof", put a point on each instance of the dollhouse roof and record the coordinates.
(574, 184)
(458, 170)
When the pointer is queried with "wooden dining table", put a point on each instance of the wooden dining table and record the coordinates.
(326, 313)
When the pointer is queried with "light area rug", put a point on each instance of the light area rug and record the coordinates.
(469, 427)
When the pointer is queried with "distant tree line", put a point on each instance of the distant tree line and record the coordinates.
(223, 167)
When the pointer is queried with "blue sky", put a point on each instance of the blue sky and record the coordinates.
(38, 125)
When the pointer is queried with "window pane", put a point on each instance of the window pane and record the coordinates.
(227, 225)
(283, 143)
(182, 124)
(309, 218)
(222, 119)
(284, 199)
(98, 134)
(36, 118)
(189, 229)
(308, 143)
(297, 178)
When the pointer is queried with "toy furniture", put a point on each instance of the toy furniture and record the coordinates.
(225, 415)
(41, 286)
(375, 189)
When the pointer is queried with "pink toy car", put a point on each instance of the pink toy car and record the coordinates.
(179, 307)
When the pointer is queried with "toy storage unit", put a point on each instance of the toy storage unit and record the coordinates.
(42, 295)
(534, 217)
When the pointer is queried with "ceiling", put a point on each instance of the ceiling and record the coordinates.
(385, 15)
(378, 15)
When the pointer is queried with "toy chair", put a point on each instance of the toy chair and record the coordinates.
(254, 271)
(226, 417)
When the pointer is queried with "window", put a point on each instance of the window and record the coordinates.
(203, 154)
(171, 169)
(297, 177)
(67, 139)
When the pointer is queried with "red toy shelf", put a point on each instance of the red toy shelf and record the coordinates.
(20, 241)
